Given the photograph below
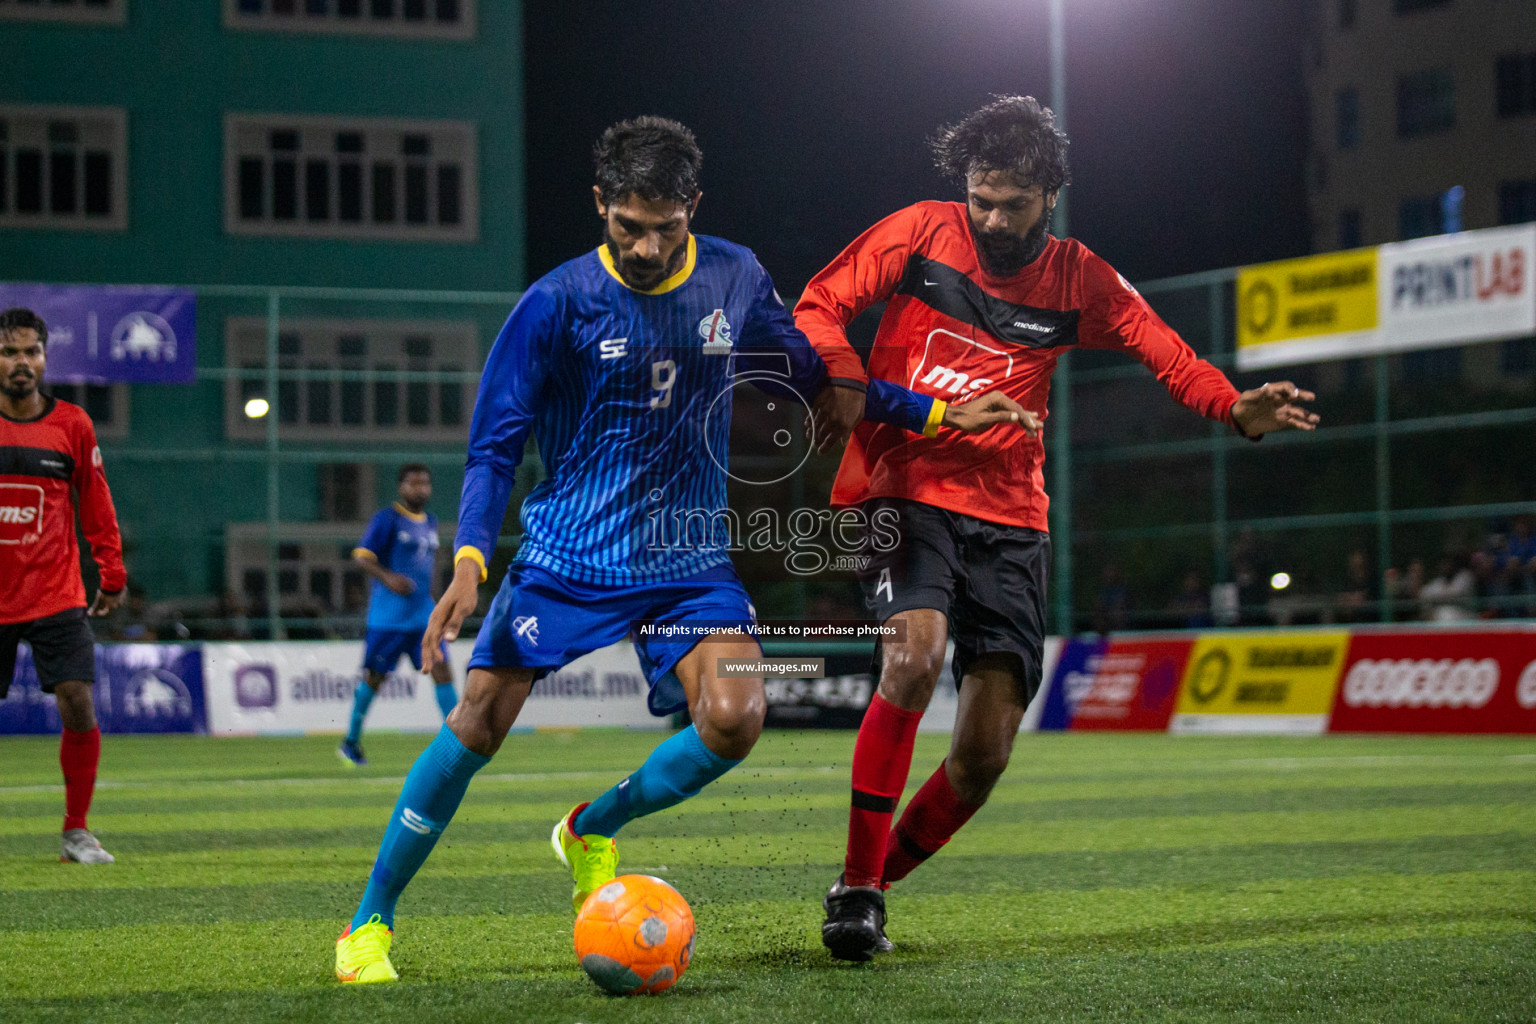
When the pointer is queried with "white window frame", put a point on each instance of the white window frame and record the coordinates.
(453, 341)
(112, 12)
(365, 24)
(108, 129)
(383, 140)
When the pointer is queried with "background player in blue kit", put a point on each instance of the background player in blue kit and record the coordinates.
(399, 550)
(621, 364)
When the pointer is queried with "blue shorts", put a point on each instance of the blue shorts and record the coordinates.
(543, 621)
(382, 649)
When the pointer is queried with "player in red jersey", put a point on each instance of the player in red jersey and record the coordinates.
(979, 297)
(47, 449)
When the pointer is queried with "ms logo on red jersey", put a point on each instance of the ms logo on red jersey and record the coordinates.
(955, 367)
(21, 513)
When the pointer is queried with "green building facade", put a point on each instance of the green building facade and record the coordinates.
(242, 146)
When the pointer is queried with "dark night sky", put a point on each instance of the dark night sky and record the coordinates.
(1188, 117)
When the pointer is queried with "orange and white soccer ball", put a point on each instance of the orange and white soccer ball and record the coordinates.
(635, 935)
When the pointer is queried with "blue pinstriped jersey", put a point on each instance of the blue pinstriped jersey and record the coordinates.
(628, 394)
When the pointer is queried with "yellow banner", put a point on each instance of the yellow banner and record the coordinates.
(1263, 674)
(1306, 298)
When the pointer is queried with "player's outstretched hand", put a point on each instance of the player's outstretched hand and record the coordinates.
(104, 604)
(987, 411)
(835, 412)
(1275, 406)
(457, 604)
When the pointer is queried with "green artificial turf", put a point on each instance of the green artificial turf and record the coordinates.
(1111, 878)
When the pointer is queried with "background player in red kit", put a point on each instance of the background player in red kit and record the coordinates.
(980, 297)
(48, 449)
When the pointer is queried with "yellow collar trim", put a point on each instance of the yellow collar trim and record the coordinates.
(675, 281)
(415, 517)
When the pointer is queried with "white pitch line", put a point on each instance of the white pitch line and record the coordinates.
(394, 780)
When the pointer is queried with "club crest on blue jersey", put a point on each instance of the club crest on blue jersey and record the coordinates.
(715, 329)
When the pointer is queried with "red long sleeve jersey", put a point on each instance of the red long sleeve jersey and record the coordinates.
(953, 331)
(41, 461)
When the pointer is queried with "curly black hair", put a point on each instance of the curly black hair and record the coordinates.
(18, 319)
(649, 157)
(1013, 134)
(412, 467)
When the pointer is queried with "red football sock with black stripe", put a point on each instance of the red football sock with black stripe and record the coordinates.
(79, 754)
(935, 814)
(881, 758)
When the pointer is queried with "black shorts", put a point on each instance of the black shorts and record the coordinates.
(987, 578)
(62, 649)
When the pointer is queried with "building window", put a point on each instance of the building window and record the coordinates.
(1409, 6)
(316, 575)
(346, 491)
(355, 380)
(91, 12)
(1517, 201)
(106, 404)
(355, 178)
(1347, 118)
(1426, 102)
(63, 167)
(1418, 217)
(1349, 229)
(431, 19)
(1515, 84)
(1517, 356)
(1346, 14)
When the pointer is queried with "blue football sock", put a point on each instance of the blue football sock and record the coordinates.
(675, 771)
(431, 794)
(362, 699)
(446, 698)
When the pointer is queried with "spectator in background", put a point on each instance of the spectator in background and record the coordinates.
(132, 621)
(1250, 562)
(1520, 562)
(1402, 588)
(1355, 600)
(1452, 594)
(1191, 609)
(1112, 604)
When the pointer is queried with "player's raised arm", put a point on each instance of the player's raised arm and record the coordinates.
(515, 373)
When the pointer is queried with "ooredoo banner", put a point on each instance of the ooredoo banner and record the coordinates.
(1457, 682)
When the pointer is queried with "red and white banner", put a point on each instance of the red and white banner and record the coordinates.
(1453, 682)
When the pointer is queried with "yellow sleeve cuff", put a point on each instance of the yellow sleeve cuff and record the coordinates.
(364, 553)
(474, 555)
(935, 417)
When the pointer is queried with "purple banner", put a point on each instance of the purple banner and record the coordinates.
(139, 688)
(107, 334)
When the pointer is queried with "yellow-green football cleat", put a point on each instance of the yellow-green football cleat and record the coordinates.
(362, 956)
(593, 860)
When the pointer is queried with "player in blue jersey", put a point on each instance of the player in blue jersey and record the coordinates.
(399, 550)
(621, 364)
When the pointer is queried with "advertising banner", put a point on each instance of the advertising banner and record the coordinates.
(1461, 682)
(1471, 286)
(1252, 682)
(1301, 310)
(1130, 684)
(257, 688)
(139, 688)
(113, 334)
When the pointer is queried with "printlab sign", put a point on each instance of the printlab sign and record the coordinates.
(109, 334)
